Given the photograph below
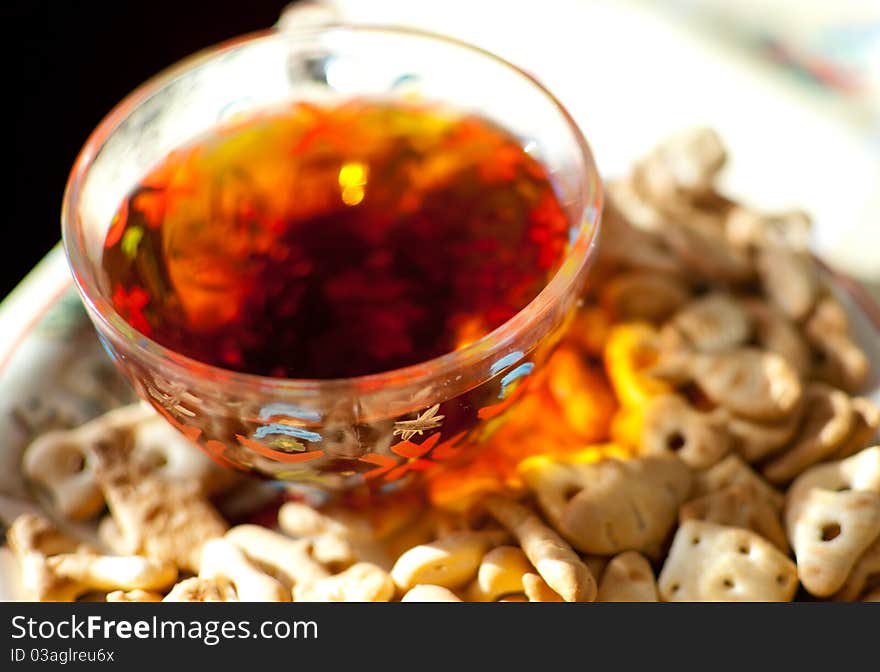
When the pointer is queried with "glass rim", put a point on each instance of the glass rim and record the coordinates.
(580, 250)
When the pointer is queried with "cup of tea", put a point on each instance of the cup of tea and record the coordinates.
(334, 255)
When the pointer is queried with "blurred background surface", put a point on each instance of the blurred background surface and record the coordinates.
(793, 86)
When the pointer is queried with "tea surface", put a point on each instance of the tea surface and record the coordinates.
(312, 242)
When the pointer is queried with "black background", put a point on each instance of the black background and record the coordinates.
(64, 65)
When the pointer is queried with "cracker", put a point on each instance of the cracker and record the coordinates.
(537, 590)
(731, 471)
(829, 531)
(866, 421)
(671, 427)
(222, 560)
(286, 560)
(756, 441)
(554, 559)
(746, 381)
(197, 589)
(865, 575)
(500, 573)
(740, 505)
(828, 419)
(611, 506)
(60, 461)
(712, 323)
(628, 578)
(790, 279)
(683, 165)
(775, 332)
(859, 472)
(641, 295)
(362, 582)
(33, 540)
(450, 561)
(840, 361)
(163, 520)
(715, 563)
(430, 593)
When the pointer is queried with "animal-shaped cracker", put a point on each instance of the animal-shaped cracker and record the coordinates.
(775, 332)
(790, 279)
(712, 323)
(287, 560)
(755, 440)
(640, 295)
(682, 165)
(865, 575)
(859, 472)
(136, 595)
(828, 420)
(557, 564)
(748, 382)
(159, 519)
(628, 578)
(500, 573)
(697, 239)
(537, 589)
(866, 421)
(632, 240)
(429, 593)
(671, 426)
(33, 540)
(840, 362)
(731, 471)
(93, 572)
(747, 228)
(60, 460)
(829, 531)
(196, 589)
(221, 560)
(740, 505)
(362, 582)
(715, 563)
(611, 506)
(450, 561)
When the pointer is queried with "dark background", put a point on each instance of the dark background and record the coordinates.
(65, 65)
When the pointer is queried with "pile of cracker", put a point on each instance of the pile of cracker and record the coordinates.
(733, 463)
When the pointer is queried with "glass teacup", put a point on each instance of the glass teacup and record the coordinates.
(382, 430)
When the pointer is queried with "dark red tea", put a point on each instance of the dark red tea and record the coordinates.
(318, 242)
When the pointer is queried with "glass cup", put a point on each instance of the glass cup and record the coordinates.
(381, 431)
